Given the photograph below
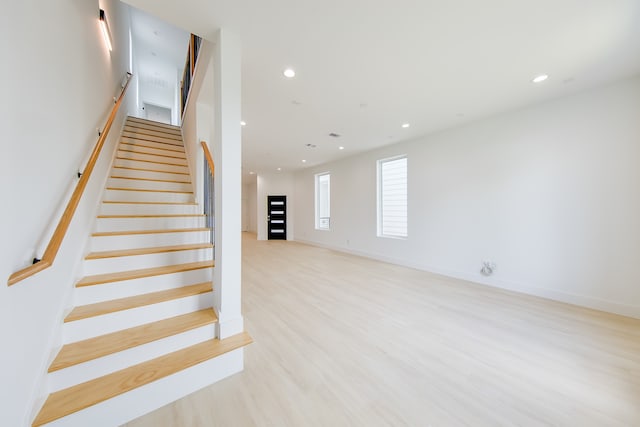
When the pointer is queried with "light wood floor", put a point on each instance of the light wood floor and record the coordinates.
(347, 341)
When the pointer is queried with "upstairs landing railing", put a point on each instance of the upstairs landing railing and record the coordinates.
(209, 202)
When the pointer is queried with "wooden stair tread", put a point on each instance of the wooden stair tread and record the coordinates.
(151, 122)
(93, 348)
(146, 251)
(149, 179)
(153, 216)
(152, 132)
(81, 396)
(149, 170)
(149, 190)
(150, 161)
(145, 126)
(164, 230)
(183, 157)
(112, 306)
(98, 279)
(168, 147)
(133, 202)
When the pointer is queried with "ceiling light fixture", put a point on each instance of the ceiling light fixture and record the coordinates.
(105, 30)
(540, 78)
(304, 161)
(341, 148)
(279, 169)
(243, 123)
(289, 73)
(252, 173)
(405, 125)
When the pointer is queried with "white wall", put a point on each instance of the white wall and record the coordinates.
(250, 205)
(276, 184)
(57, 101)
(551, 194)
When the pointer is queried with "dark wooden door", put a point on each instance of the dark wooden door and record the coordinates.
(277, 217)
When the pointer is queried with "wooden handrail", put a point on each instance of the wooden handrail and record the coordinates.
(61, 230)
(207, 155)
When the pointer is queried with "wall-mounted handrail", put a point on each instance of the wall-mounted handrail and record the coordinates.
(50, 253)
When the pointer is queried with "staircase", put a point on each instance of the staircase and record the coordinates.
(143, 330)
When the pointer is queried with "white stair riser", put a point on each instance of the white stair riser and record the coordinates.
(135, 403)
(132, 241)
(151, 158)
(148, 137)
(108, 265)
(149, 185)
(109, 291)
(147, 196)
(148, 223)
(150, 174)
(147, 209)
(99, 325)
(153, 166)
(140, 127)
(153, 148)
(105, 365)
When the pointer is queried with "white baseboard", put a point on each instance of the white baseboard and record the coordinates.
(552, 294)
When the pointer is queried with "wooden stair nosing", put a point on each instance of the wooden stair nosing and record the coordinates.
(136, 137)
(142, 300)
(150, 161)
(150, 179)
(98, 279)
(146, 251)
(135, 216)
(94, 348)
(148, 126)
(81, 396)
(151, 138)
(152, 154)
(152, 122)
(149, 170)
(150, 132)
(159, 231)
(171, 150)
(129, 202)
(148, 190)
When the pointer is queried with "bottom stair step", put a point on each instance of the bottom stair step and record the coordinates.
(93, 348)
(81, 396)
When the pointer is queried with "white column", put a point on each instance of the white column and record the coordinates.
(228, 184)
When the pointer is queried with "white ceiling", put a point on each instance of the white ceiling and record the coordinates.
(365, 67)
(160, 49)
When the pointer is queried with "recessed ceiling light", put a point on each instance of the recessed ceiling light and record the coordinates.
(405, 125)
(304, 161)
(243, 123)
(279, 169)
(289, 73)
(252, 173)
(341, 148)
(540, 78)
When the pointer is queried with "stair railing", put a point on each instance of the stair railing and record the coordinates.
(209, 201)
(189, 69)
(49, 255)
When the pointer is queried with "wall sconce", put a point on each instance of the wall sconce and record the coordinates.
(105, 30)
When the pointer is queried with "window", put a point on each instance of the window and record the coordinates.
(392, 197)
(323, 201)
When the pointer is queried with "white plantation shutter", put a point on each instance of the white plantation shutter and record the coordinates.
(392, 197)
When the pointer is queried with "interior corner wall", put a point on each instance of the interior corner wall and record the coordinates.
(277, 184)
(57, 103)
(550, 193)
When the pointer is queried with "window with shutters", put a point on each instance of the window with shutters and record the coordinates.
(323, 201)
(392, 197)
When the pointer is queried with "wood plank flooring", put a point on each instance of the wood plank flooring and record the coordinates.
(347, 341)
